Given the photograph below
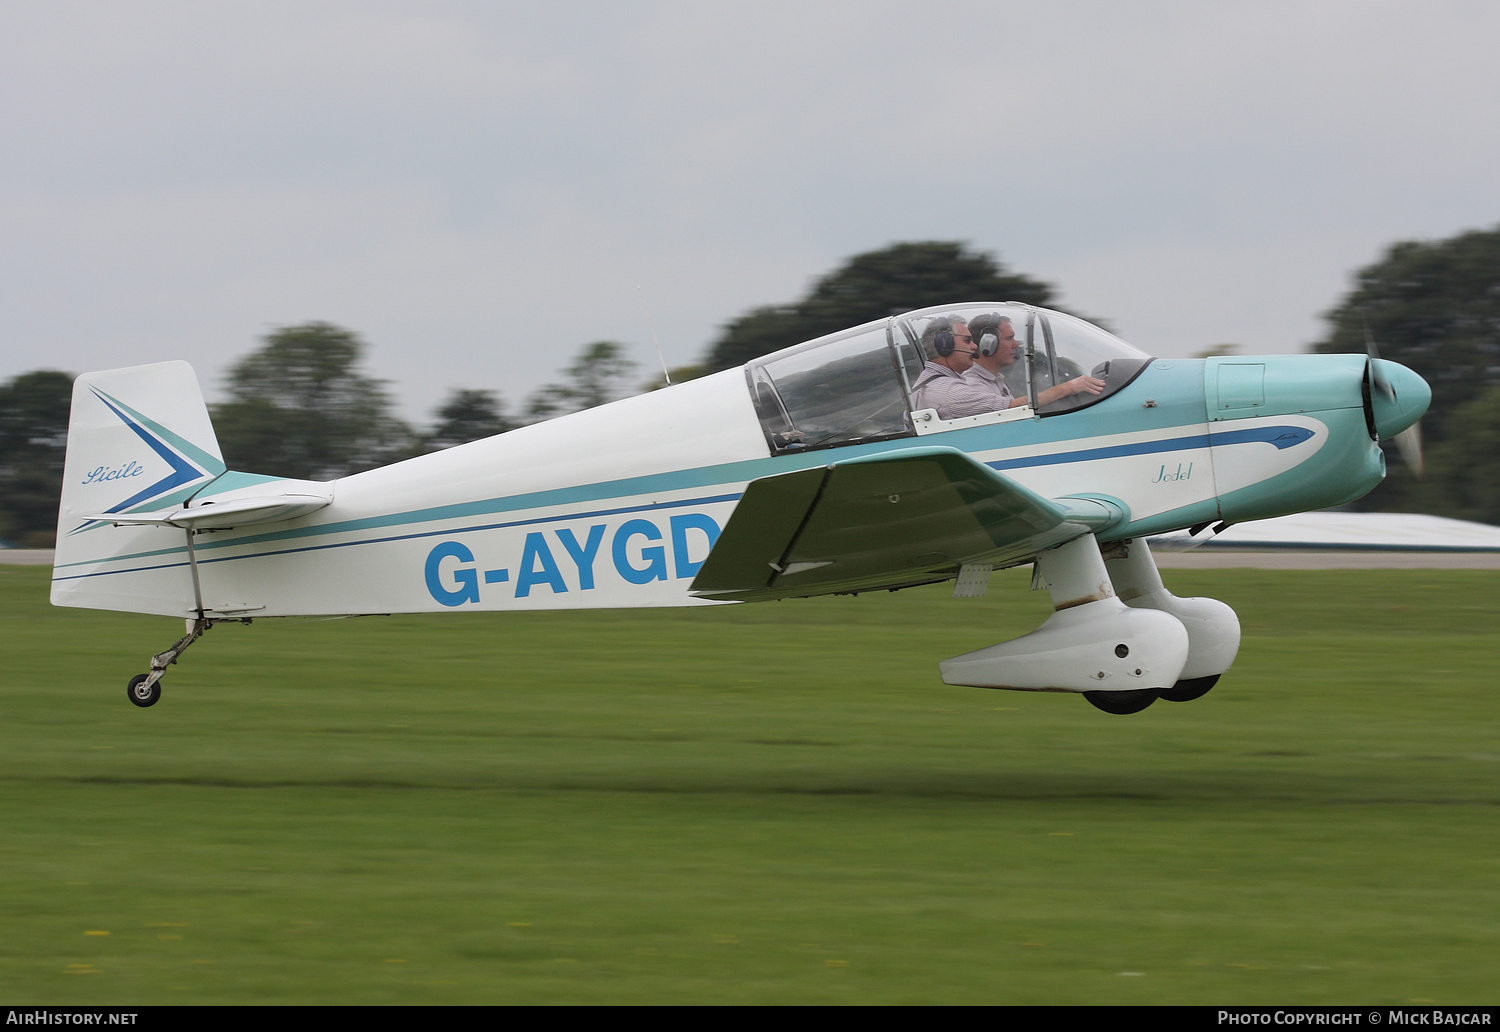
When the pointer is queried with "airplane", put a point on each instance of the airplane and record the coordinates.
(805, 472)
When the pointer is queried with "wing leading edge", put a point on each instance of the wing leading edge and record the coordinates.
(885, 521)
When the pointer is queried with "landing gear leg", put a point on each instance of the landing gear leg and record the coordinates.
(1121, 658)
(1213, 629)
(145, 689)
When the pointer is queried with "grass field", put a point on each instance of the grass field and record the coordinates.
(778, 803)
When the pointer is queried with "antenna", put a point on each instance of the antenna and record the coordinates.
(659, 355)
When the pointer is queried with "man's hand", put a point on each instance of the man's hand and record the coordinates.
(1082, 384)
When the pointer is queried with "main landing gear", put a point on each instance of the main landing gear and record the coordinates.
(1123, 702)
(1189, 688)
(1117, 636)
(1185, 690)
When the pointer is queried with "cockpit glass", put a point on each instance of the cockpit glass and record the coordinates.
(873, 383)
(841, 389)
(1073, 349)
(990, 376)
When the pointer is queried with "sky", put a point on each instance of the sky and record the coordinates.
(481, 188)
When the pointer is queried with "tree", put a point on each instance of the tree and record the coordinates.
(468, 416)
(34, 411)
(897, 278)
(299, 408)
(1433, 306)
(601, 373)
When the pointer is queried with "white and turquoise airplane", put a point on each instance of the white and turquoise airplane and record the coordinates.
(806, 472)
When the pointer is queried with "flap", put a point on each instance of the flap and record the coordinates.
(880, 521)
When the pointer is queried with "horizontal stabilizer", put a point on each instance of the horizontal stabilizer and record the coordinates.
(236, 512)
(880, 521)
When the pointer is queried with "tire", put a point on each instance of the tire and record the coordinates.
(139, 694)
(1194, 688)
(1131, 701)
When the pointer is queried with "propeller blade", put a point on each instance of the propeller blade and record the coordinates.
(1409, 444)
(1376, 376)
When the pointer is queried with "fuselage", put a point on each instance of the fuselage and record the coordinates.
(618, 506)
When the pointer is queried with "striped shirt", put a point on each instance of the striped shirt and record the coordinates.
(941, 388)
(993, 384)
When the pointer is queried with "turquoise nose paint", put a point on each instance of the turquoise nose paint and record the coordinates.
(1411, 393)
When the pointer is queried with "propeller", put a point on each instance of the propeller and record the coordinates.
(1409, 444)
(1376, 375)
(1408, 441)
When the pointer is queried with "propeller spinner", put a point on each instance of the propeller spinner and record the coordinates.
(1397, 397)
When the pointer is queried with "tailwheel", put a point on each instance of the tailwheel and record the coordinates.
(143, 691)
(1190, 688)
(1131, 701)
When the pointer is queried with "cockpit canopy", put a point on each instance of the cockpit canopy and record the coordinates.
(856, 385)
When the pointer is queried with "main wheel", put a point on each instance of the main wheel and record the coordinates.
(1193, 688)
(140, 694)
(1132, 701)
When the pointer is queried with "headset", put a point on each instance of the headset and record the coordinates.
(988, 343)
(943, 342)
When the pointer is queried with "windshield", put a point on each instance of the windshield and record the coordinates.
(1071, 348)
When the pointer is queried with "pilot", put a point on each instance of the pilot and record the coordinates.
(996, 352)
(950, 352)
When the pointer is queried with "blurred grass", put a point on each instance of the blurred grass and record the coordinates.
(776, 803)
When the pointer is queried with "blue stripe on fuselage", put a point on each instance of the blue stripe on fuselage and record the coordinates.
(562, 518)
(1280, 436)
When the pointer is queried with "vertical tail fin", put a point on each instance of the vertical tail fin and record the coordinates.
(139, 440)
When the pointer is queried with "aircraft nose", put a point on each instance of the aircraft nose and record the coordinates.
(1403, 404)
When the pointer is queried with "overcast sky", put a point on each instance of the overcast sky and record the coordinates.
(480, 188)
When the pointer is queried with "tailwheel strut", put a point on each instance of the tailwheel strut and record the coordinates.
(145, 689)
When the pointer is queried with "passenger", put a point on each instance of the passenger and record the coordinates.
(996, 349)
(950, 351)
(997, 352)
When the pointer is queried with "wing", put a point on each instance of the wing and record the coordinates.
(886, 521)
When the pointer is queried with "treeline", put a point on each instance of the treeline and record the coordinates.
(33, 436)
(300, 406)
(1434, 306)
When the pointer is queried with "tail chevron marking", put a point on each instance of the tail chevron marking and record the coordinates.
(188, 462)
